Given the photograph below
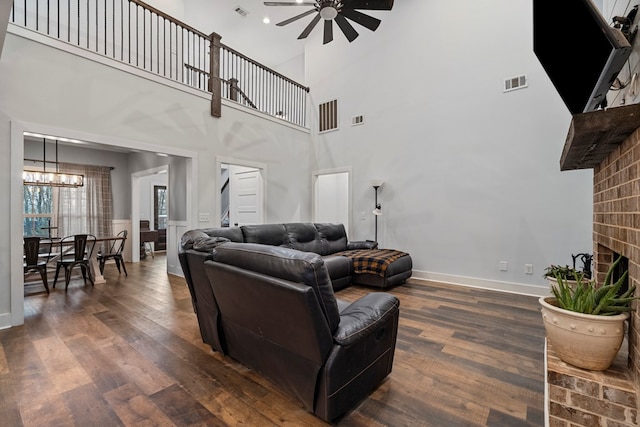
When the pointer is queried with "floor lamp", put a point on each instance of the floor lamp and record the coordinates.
(377, 211)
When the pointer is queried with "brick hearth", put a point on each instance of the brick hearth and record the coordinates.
(585, 398)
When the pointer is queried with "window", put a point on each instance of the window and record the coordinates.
(57, 212)
(160, 215)
(160, 207)
(37, 210)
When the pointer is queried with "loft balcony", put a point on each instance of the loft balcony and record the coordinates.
(137, 34)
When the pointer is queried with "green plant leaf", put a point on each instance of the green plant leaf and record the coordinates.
(586, 297)
(607, 278)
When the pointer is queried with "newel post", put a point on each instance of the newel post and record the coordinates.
(214, 73)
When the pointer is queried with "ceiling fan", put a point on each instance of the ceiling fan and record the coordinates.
(336, 10)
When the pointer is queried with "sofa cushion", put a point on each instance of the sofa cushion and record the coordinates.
(232, 233)
(203, 237)
(334, 235)
(305, 237)
(188, 238)
(287, 264)
(207, 244)
(265, 234)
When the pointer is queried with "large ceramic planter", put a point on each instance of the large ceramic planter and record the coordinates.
(583, 340)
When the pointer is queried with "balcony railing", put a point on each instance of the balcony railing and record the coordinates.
(140, 35)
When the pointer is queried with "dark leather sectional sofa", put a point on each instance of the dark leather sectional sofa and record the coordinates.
(264, 295)
(279, 316)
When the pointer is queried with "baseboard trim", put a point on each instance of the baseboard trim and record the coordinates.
(473, 282)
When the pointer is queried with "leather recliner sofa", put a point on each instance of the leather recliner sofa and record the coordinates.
(279, 317)
(196, 247)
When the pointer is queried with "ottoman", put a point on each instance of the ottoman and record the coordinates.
(380, 268)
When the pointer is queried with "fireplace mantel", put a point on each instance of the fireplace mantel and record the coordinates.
(593, 135)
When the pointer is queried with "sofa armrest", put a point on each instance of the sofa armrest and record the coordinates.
(362, 244)
(362, 354)
(364, 317)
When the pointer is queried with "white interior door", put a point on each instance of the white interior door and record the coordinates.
(331, 198)
(245, 195)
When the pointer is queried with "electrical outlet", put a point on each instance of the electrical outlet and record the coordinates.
(528, 269)
(503, 266)
(203, 217)
(363, 216)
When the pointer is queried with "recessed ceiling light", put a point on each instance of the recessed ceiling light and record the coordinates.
(266, 20)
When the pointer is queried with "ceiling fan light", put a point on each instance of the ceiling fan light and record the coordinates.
(328, 13)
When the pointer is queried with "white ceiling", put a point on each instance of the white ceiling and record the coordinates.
(266, 43)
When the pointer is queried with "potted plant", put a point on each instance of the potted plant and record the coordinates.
(585, 323)
(565, 272)
(568, 274)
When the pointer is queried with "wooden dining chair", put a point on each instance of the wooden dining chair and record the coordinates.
(78, 256)
(33, 259)
(114, 252)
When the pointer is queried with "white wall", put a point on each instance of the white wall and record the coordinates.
(5, 12)
(48, 88)
(471, 173)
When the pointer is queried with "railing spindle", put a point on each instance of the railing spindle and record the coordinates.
(226, 72)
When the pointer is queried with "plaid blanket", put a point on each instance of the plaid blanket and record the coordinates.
(373, 261)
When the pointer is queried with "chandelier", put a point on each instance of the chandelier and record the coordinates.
(51, 178)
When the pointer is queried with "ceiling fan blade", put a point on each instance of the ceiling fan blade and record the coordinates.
(287, 3)
(328, 31)
(349, 32)
(307, 30)
(295, 18)
(369, 4)
(365, 20)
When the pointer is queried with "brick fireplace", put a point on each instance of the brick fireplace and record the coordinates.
(616, 225)
(608, 142)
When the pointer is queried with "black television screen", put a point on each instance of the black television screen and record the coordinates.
(579, 51)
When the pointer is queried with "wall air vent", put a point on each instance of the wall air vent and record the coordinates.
(241, 11)
(357, 120)
(513, 83)
(328, 116)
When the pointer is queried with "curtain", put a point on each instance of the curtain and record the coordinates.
(86, 209)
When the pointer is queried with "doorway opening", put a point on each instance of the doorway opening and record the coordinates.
(144, 210)
(332, 197)
(186, 173)
(241, 193)
(160, 214)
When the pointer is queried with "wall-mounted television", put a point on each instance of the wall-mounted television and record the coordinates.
(580, 52)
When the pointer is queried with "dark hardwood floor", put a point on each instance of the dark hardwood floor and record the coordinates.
(129, 353)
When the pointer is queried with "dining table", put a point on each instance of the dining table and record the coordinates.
(94, 267)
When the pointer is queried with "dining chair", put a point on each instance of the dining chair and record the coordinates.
(115, 249)
(79, 256)
(33, 259)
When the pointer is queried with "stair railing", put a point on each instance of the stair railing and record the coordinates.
(234, 91)
(140, 35)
